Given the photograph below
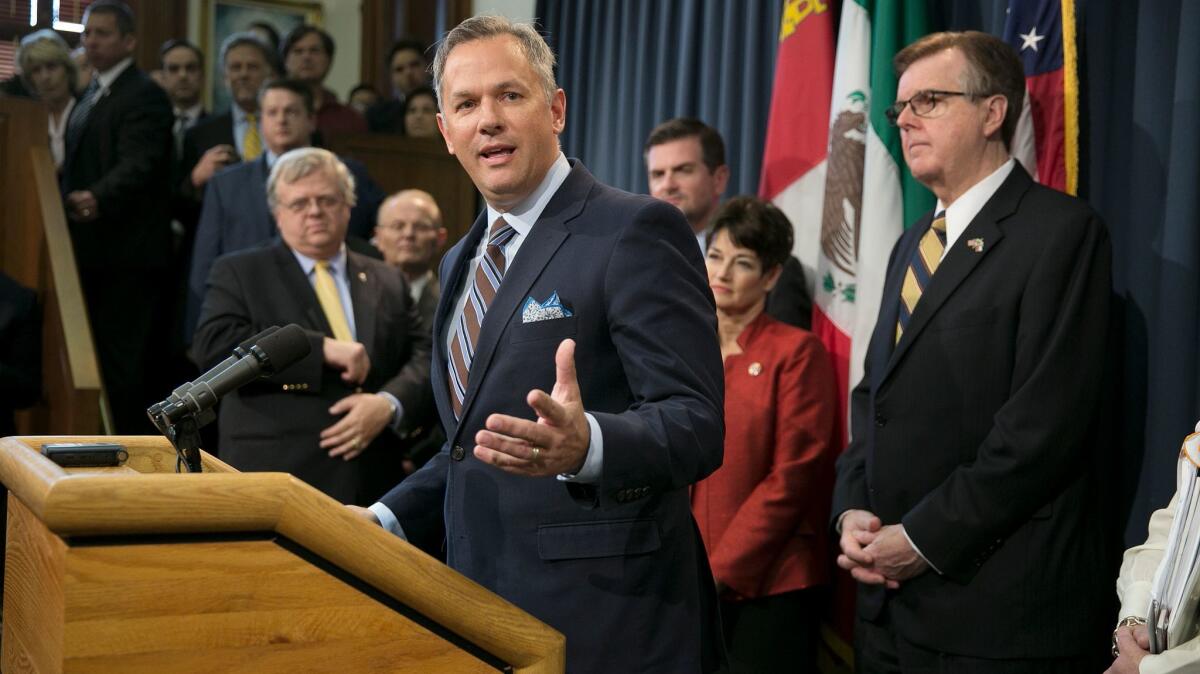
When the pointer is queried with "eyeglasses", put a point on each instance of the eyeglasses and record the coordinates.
(326, 202)
(923, 104)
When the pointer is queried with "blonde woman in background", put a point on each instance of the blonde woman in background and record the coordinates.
(50, 75)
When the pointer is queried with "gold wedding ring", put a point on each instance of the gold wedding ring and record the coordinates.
(536, 452)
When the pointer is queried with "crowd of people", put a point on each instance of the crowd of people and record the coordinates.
(632, 411)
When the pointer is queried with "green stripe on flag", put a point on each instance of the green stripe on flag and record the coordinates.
(894, 25)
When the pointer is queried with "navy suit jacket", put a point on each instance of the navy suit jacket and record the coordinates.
(235, 216)
(617, 566)
(976, 431)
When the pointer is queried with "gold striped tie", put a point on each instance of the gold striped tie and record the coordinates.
(920, 270)
(331, 302)
(251, 141)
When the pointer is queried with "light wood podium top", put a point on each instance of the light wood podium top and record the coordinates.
(145, 496)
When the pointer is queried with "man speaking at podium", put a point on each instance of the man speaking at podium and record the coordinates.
(571, 504)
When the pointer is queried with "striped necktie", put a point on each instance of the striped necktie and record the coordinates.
(924, 263)
(79, 115)
(488, 275)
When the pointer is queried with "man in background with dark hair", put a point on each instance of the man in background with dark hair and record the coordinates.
(116, 187)
(235, 214)
(182, 77)
(182, 65)
(307, 56)
(685, 162)
(408, 70)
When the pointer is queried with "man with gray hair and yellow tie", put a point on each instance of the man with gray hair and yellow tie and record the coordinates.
(335, 419)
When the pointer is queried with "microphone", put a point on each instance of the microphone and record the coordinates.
(239, 351)
(276, 351)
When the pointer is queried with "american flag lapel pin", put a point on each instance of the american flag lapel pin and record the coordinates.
(975, 245)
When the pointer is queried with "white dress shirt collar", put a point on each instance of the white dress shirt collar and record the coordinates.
(109, 76)
(337, 263)
(192, 113)
(964, 209)
(523, 216)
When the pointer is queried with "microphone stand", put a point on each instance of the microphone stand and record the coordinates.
(183, 434)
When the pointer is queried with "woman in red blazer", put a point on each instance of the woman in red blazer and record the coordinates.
(762, 514)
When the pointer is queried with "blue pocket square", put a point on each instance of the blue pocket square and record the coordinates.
(533, 311)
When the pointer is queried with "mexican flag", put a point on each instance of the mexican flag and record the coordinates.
(870, 197)
(793, 168)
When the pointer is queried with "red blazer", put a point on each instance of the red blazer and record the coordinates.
(763, 514)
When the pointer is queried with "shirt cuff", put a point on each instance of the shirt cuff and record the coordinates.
(397, 410)
(593, 464)
(841, 518)
(915, 549)
(387, 519)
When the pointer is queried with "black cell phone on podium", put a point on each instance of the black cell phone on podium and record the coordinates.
(85, 454)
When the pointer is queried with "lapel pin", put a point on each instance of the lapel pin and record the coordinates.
(975, 245)
(755, 369)
(362, 276)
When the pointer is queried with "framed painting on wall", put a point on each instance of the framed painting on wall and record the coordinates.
(221, 18)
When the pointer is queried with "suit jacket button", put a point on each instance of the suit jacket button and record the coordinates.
(880, 421)
(457, 453)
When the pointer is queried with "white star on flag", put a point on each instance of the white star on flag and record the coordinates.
(1030, 40)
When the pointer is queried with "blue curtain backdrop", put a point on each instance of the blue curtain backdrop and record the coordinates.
(627, 65)
(1143, 102)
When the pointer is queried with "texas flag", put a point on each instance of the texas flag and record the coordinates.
(1047, 138)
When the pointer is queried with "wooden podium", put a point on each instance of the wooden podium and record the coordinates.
(139, 569)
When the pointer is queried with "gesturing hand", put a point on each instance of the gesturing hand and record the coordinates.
(556, 443)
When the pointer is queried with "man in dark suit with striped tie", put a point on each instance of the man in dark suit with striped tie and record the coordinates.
(966, 501)
(577, 376)
(117, 196)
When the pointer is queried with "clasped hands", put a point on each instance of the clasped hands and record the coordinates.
(875, 554)
(556, 443)
(366, 414)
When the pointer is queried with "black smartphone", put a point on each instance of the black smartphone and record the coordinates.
(91, 454)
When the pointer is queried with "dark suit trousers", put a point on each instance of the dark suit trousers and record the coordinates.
(777, 633)
(879, 650)
(121, 307)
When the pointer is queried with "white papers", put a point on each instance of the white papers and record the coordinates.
(1175, 594)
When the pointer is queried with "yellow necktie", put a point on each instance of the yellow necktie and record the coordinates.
(251, 141)
(331, 303)
(925, 262)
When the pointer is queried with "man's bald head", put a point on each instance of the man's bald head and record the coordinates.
(409, 231)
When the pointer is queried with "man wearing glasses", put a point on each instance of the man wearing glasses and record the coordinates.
(234, 214)
(967, 501)
(337, 418)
